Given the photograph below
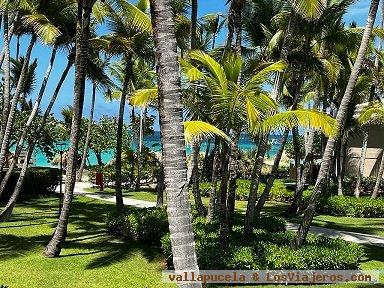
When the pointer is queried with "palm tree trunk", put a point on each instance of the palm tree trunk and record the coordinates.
(178, 206)
(194, 9)
(53, 248)
(275, 170)
(119, 142)
(250, 213)
(195, 178)
(232, 185)
(132, 174)
(340, 118)
(143, 115)
(12, 110)
(376, 190)
(160, 187)
(7, 212)
(88, 136)
(205, 162)
(224, 230)
(363, 156)
(9, 34)
(213, 197)
(20, 143)
(7, 78)
(341, 164)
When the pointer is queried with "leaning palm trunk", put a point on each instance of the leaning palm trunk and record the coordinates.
(7, 212)
(31, 117)
(8, 35)
(143, 115)
(341, 165)
(195, 178)
(79, 175)
(232, 184)
(194, 8)
(7, 78)
(213, 196)
(119, 142)
(340, 118)
(376, 190)
(12, 110)
(301, 177)
(275, 170)
(53, 248)
(170, 108)
(363, 156)
(250, 214)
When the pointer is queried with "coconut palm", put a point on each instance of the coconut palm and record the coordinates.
(130, 37)
(96, 73)
(53, 248)
(329, 150)
(170, 110)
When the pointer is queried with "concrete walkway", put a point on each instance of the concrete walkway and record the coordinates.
(365, 239)
(80, 189)
(359, 238)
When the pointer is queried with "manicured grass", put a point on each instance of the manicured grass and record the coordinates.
(89, 258)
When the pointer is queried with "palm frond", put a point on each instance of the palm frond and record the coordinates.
(300, 118)
(309, 9)
(200, 130)
(144, 97)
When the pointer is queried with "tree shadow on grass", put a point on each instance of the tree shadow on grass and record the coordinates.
(86, 234)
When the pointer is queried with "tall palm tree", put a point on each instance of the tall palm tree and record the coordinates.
(130, 37)
(170, 109)
(99, 79)
(53, 248)
(374, 114)
(341, 114)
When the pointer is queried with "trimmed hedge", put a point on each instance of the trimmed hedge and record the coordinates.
(38, 181)
(364, 207)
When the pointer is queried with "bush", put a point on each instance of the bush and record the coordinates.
(271, 224)
(351, 206)
(38, 181)
(367, 186)
(145, 225)
(267, 250)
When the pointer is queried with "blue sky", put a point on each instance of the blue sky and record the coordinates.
(357, 12)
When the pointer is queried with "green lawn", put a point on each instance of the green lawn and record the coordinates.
(89, 258)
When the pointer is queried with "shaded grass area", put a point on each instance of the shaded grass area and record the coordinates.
(89, 258)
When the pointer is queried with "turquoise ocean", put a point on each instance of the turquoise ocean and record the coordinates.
(153, 143)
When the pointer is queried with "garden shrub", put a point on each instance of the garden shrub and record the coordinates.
(367, 186)
(145, 225)
(270, 224)
(352, 206)
(267, 250)
(38, 181)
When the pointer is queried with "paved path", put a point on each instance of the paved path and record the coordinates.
(80, 189)
(366, 239)
(360, 238)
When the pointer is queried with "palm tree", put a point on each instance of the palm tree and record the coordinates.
(340, 118)
(96, 73)
(373, 114)
(130, 37)
(53, 248)
(170, 109)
